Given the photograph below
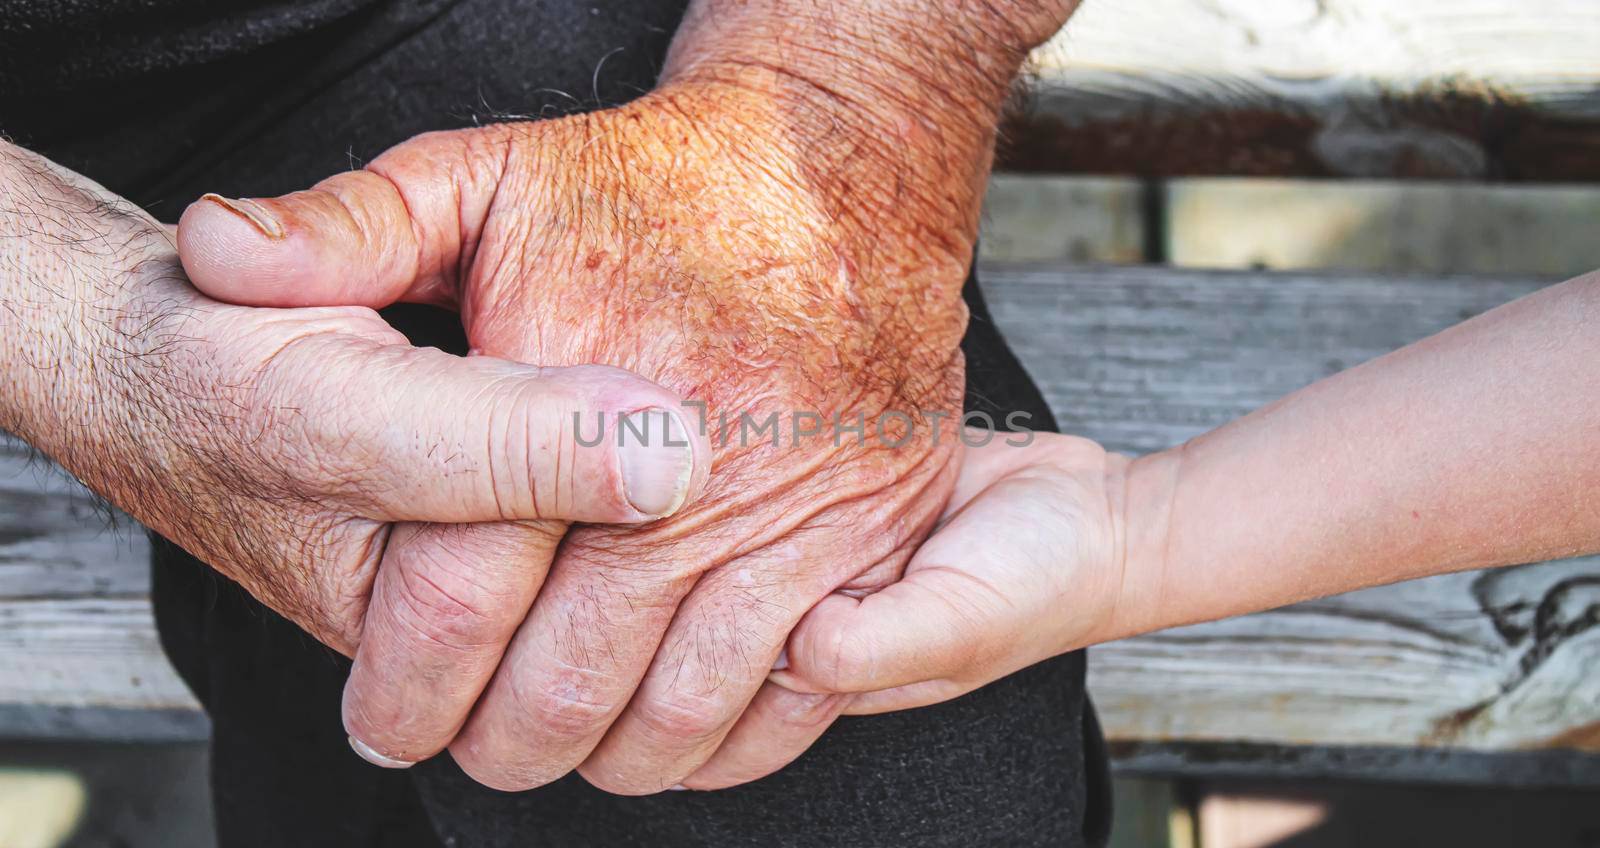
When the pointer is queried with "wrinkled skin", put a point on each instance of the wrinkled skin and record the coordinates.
(292, 449)
(689, 237)
(733, 288)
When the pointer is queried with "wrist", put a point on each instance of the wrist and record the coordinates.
(837, 225)
(894, 103)
(1144, 517)
(72, 252)
(36, 293)
(954, 52)
(887, 58)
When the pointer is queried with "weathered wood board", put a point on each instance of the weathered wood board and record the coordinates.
(77, 642)
(1056, 219)
(1406, 680)
(1383, 226)
(1504, 89)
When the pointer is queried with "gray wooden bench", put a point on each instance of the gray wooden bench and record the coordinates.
(1475, 677)
(1497, 89)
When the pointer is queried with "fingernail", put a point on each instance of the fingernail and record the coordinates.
(367, 753)
(260, 216)
(679, 788)
(657, 461)
(782, 662)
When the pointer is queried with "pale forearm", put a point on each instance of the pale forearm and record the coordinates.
(1477, 447)
(91, 303)
(66, 252)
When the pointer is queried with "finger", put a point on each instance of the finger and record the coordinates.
(569, 671)
(711, 662)
(728, 632)
(419, 435)
(716, 654)
(925, 627)
(941, 618)
(446, 600)
(395, 230)
(777, 727)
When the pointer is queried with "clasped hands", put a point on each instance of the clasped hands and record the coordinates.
(693, 239)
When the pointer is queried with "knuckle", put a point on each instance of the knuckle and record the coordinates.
(448, 613)
(544, 728)
(681, 716)
(520, 439)
(297, 411)
(567, 712)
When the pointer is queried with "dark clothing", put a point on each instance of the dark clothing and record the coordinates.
(171, 98)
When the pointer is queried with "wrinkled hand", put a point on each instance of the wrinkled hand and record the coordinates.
(694, 237)
(1026, 564)
(309, 454)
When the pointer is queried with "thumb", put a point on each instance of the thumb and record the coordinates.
(916, 630)
(420, 435)
(393, 231)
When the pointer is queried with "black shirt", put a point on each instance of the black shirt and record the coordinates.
(142, 94)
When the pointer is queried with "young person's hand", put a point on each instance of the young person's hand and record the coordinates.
(1025, 564)
(311, 455)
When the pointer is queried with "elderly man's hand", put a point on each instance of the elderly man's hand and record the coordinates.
(308, 454)
(678, 238)
(771, 232)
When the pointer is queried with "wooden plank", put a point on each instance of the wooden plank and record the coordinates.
(1389, 227)
(1144, 358)
(1409, 679)
(56, 540)
(91, 652)
(1080, 220)
(1386, 764)
(79, 654)
(1473, 89)
(66, 723)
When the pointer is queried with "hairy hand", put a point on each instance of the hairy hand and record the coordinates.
(309, 454)
(714, 237)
